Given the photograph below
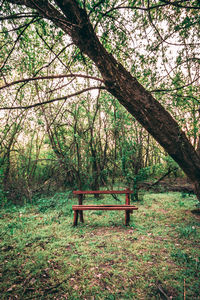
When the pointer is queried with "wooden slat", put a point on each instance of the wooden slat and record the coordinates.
(81, 207)
(102, 192)
(104, 205)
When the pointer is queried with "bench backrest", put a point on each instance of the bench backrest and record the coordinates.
(103, 192)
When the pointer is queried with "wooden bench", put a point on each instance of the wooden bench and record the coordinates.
(78, 209)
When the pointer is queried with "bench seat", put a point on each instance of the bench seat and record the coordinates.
(79, 208)
(104, 207)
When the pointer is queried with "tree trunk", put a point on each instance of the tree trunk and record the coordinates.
(120, 83)
(132, 95)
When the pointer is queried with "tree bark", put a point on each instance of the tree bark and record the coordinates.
(122, 85)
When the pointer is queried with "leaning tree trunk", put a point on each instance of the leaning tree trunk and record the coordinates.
(121, 84)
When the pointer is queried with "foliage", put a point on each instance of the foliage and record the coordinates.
(90, 140)
(3, 198)
(85, 147)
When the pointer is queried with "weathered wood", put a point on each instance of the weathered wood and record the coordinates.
(104, 205)
(78, 209)
(80, 201)
(97, 207)
(127, 198)
(76, 212)
(127, 217)
(102, 192)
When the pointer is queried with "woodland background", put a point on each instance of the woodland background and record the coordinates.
(83, 138)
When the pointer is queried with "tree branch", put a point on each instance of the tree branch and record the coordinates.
(175, 89)
(177, 4)
(15, 42)
(46, 10)
(51, 48)
(19, 16)
(54, 100)
(50, 77)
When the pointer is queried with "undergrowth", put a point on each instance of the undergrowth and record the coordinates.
(44, 257)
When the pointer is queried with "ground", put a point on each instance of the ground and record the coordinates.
(179, 184)
(44, 257)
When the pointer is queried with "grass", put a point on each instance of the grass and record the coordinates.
(42, 256)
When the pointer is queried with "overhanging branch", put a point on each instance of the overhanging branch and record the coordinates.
(19, 16)
(54, 100)
(49, 77)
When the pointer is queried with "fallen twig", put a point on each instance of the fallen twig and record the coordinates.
(163, 292)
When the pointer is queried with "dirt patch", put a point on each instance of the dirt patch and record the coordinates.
(162, 211)
(170, 184)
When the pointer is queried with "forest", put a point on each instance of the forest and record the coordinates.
(99, 95)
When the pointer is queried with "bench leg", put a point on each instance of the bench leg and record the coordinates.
(127, 217)
(75, 217)
(81, 216)
(80, 202)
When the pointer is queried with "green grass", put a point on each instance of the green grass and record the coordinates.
(42, 256)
